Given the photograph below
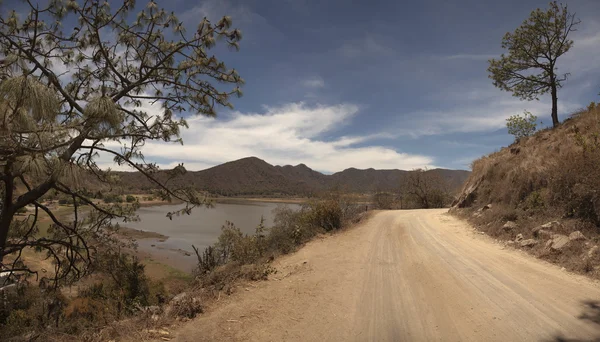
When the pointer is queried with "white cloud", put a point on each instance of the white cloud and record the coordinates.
(290, 134)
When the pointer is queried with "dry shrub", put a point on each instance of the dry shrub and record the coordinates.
(188, 306)
(238, 256)
(28, 309)
(576, 180)
(384, 200)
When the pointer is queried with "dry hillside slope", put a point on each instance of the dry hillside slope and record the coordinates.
(543, 193)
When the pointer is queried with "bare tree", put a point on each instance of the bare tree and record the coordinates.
(425, 188)
(71, 93)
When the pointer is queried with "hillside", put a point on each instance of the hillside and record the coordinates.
(543, 193)
(253, 176)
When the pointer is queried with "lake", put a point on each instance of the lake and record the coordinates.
(201, 229)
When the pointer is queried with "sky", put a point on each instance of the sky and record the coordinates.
(384, 84)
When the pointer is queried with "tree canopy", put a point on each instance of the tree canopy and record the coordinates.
(529, 70)
(76, 81)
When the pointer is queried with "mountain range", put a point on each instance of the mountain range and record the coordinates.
(254, 176)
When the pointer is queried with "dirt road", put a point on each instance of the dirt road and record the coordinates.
(405, 276)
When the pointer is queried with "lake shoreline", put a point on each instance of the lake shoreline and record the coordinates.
(170, 242)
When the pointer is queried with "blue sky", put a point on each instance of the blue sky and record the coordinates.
(383, 84)
(412, 74)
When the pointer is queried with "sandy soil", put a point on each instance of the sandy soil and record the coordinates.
(404, 276)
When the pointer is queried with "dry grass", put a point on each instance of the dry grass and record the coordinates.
(552, 175)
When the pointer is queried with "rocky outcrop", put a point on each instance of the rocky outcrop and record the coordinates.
(576, 235)
(528, 243)
(558, 241)
(509, 225)
(468, 195)
(546, 230)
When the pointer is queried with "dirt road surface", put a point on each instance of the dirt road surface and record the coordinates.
(405, 276)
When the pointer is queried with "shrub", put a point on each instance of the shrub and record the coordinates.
(534, 200)
(326, 214)
(576, 180)
(521, 126)
(384, 200)
(237, 255)
(130, 199)
(29, 308)
(113, 198)
(127, 287)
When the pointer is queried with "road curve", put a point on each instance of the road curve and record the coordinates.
(405, 276)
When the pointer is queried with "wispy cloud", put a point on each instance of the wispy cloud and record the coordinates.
(314, 82)
(472, 110)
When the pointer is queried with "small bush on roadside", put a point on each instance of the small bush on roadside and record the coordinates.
(130, 199)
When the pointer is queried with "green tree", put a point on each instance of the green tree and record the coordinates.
(529, 70)
(521, 126)
(71, 92)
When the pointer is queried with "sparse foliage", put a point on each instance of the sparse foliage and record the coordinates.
(535, 46)
(76, 83)
(384, 200)
(522, 126)
(425, 188)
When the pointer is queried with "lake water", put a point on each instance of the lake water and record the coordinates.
(201, 228)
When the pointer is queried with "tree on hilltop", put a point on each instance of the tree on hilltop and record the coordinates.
(529, 70)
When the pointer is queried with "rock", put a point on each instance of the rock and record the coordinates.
(576, 235)
(509, 225)
(180, 297)
(468, 195)
(552, 225)
(529, 243)
(592, 251)
(477, 214)
(543, 233)
(485, 207)
(546, 229)
(519, 238)
(559, 241)
(548, 244)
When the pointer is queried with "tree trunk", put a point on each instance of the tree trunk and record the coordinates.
(5, 220)
(553, 92)
(7, 213)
